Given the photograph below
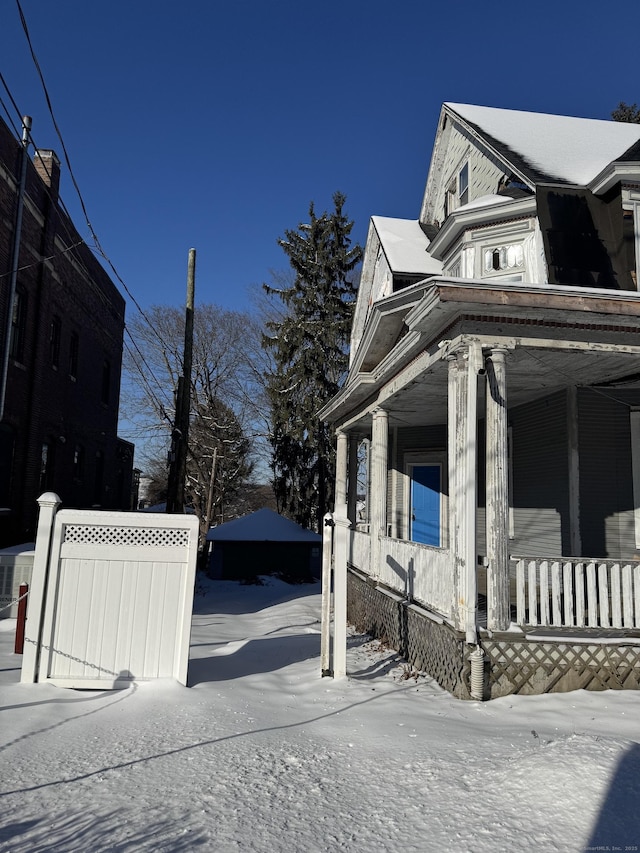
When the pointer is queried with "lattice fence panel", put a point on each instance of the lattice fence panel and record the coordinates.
(99, 534)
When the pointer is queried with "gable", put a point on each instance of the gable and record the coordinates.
(511, 151)
(396, 256)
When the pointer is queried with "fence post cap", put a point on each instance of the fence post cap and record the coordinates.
(49, 499)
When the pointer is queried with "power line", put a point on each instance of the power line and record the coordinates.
(144, 376)
(97, 248)
(94, 236)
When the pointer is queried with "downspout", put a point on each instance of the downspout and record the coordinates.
(15, 257)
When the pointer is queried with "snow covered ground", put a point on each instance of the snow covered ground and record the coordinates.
(262, 754)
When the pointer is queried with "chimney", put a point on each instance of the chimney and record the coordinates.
(48, 167)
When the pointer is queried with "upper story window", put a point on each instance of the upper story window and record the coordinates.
(54, 341)
(631, 242)
(78, 463)
(105, 392)
(457, 192)
(463, 184)
(74, 348)
(18, 325)
(502, 259)
(47, 463)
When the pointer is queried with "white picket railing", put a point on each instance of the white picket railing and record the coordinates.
(577, 593)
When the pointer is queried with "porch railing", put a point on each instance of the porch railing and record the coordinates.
(420, 572)
(577, 593)
(360, 552)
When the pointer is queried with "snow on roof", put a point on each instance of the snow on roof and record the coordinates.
(484, 201)
(265, 525)
(406, 246)
(564, 148)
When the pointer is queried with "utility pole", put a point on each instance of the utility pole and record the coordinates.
(180, 434)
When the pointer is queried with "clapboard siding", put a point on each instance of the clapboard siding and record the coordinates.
(540, 481)
(606, 489)
(485, 170)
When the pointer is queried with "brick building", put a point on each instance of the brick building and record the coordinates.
(64, 332)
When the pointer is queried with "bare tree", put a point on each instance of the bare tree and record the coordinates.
(226, 421)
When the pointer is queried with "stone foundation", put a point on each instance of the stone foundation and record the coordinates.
(513, 663)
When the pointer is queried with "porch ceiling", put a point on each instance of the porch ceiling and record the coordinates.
(532, 372)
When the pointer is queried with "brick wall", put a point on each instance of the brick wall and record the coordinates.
(60, 282)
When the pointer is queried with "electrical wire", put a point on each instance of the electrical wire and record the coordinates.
(158, 403)
(97, 248)
(92, 231)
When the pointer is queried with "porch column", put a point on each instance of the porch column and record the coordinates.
(341, 469)
(463, 380)
(379, 462)
(497, 513)
(453, 478)
(352, 479)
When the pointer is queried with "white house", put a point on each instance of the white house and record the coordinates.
(495, 379)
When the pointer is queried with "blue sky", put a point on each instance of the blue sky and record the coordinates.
(214, 124)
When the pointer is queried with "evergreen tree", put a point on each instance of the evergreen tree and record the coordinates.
(626, 112)
(308, 345)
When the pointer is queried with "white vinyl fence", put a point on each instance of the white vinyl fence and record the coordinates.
(111, 597)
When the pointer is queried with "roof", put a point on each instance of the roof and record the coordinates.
(551, 147)
(265, 525)
(405, 246)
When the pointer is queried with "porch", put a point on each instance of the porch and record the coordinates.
(575, 623)
(502, 433)
(589, 596)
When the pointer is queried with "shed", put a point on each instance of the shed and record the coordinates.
(264, 543)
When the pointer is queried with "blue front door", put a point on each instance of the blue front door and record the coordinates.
(426, 497)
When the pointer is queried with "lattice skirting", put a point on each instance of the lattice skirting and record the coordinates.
(529, 666)
(512, 665)
(428, 646)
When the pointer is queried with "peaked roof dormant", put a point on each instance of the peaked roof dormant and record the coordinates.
(406, 246)
(555, 148)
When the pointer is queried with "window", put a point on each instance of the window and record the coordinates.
(630, 242)
(54, 341)
(47, 459)
(457, 192)
(106, 381)
(502, 259)
(74, 347)
(99, 478)
(78, 463)
(18, 325)
(456, 270)
(463, 184)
